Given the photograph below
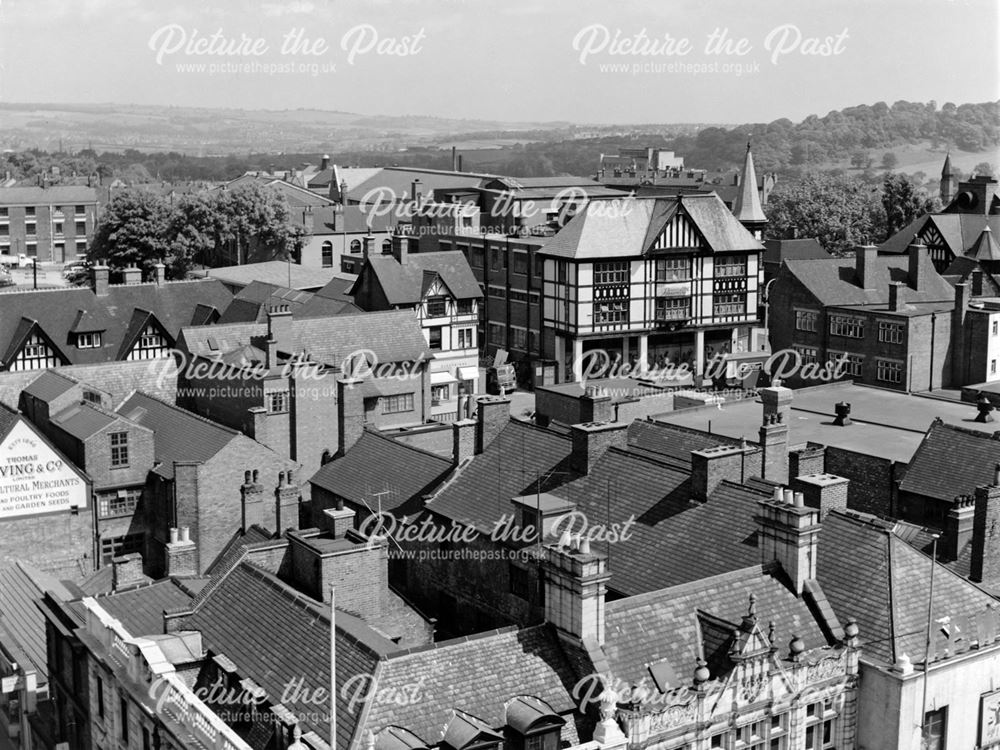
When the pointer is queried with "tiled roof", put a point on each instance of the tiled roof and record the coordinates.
(635, 626)
(56, 311)
(466, 675)
(251, 304)
(55, 194)
(872, 575)
(985, 247)
(716, 536)
(629, 227)
(83, 420)
(951, 461)
(140, 610)
(236, 546)
(20, 586)
(480, 492)
(179, 435)
(959, 231)
(8, 420)
(214, 341)
(377, 464)
(833, 281)
(50, 385)
(398, 180)
(334, 220)
(776, 251)
(404, 284)
(242, 614)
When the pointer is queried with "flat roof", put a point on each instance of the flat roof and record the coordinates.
(885, 423)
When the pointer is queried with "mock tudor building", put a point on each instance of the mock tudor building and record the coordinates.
(105, 323)
(442, 292)
(281, 382)
(50, 223)
(651, 281)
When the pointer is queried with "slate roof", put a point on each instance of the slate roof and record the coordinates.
(776, 251)
(55, 312)
(674, 442)
(635, 626)
(83, 420)
(950, 461)
(376, 464)
(959, 231)
(480, 492)
(716, 536)
(251, 304)
(140, 610)
(50, 385)
(405, 284)
(22, 624)
(985, 247)
(398, 180)
(56, 194)
(274, 272)
(833, 281)
(629, 227)
(350, 219)
(8, 420)
(178, 435)
(871, 574)
(463, 674)
(239, 618)
(392, 335)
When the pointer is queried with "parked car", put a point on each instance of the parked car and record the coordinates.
(5, 278)
(74, 267)
(77, 277)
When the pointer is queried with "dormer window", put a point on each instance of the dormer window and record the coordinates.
(88, 340)
(437, 307)
(532, 724)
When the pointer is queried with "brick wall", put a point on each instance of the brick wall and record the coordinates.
(59, 543)
(873, 480)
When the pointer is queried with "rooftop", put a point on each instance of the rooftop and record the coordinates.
(274, 272)
(140, 610)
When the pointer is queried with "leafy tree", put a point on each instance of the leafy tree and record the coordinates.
(889, 161)
(255, 223)
(903, 201)
(840, 211)
(984, 168)
(859, 159)
(132, 229)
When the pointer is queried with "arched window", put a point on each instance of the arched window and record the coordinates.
(355, 246)
(326, 254)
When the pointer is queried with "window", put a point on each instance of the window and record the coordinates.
(888, 371)
(397, 404)
(80, 228)
(464, 307)
(439, 393)
(497, 334)
(518, 578)
(386, 247)
(80, 210)
(521, 263)
(673, 269)
(806, 320)
(437, 307)
(518, 338)
(434, 338)
(151, 344)
(35, 355)
(123, 719)
(465, 339)
(808, 354)
(848, 365)
(496, 259)
(355, 246)
(729, 303)
(497, 292)
(4, 212)
(5, 229)
(731, 265)
(57, 227)
(533, 341)
(561, 271)
(819, 736)
(100, 697)
(326, 254)
(29, 211)
(476, 257)
(935, 729)
(31, 247)
(993, 367)
(890, 333)
(277, 402)
(843, 325)
(30, 228)
(145, 739)
(611, 313)
(119, 449)
(752, 736)
(118, 502)
(994, 328)
(116, 546)
(673, 308)
(610, 273)
(88, 340)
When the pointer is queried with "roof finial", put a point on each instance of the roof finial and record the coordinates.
(752, 609)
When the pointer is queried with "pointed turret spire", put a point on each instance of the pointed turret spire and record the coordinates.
(947, 181)
(985, 246)
(747, 208)
(946, 169)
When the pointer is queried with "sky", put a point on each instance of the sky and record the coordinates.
(584, 61)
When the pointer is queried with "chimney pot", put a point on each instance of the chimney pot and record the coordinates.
(800, 500)
(174, 535)
(585, 545)
(789, 497)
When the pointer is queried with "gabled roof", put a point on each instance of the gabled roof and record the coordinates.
(747, 206)
(350, 219)
(179, 435)
(872, 575)
(951, 461)
(833, 281)
(251, 304)
(55, 194)
(61, 312)
(140, 609)
(276, 272)
(958, 230)
(480, 492)
(379, 464)
(453, 674)
(636, 627)
(398, 181)
(83, 420)
(629, 227)
(50, 385)
(405, 284)
(22, 624)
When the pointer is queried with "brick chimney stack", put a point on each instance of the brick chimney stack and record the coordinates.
(126, 571)
(865, 260)
(985, 567)
(575, 580)
(492, 415)
(350, 414)
(918, 270)
(824, 492)
(788, 531)
(160, 274)
(958, 527)
(960, 356)
(774, 433)
(711, 465)
(286, 501)
(279, 333)
(100, 276)
(182, 553)
(463, 439)
(596, 406)
(896, 296)
(251, 500)
(132, 275)
(591, 440)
